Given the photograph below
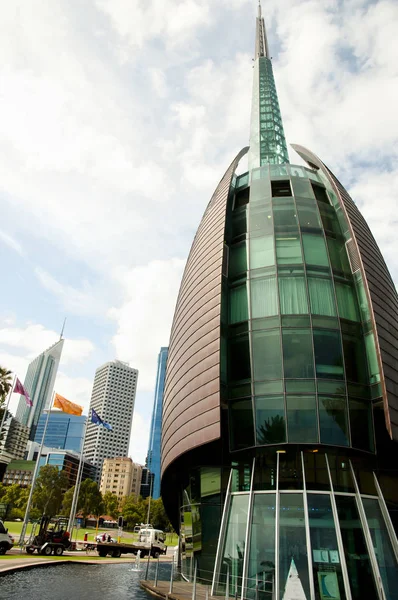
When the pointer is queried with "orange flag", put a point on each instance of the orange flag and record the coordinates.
(67, 406)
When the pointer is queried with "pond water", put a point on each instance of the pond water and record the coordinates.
(80, 582)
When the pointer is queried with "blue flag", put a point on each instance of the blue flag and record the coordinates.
(96, 419)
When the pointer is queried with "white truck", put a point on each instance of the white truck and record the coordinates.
(6, 541)
(150, 541)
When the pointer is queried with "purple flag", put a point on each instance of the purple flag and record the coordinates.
(19, 389)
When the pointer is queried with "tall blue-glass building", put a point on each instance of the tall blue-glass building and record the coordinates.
(155, 437)
(280, 409)
(63, 431)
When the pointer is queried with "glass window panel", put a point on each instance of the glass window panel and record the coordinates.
(237, 259)
(355, 359)
(241, 424)
(292, 546)
(328, 354)
(315, 250)
(320, 193)
(321, 296)
(363, 301)
(261, 222)
(331, 387)
(356, 554)
(264, 297)
(301, 419)
(269, 323)
(267, 356)
(285, 216)
(295, 321)
(270, 420)
(302, 187)
(359, 391)
(239, 226)
(288, 250)
(239, 391)
(382, 546)
(262, 547)
(361, 424)
(298, 356)
(262, 252)
(260, 189)
(299, 386)
(234, 544)
(372, 358)
(347, 302)
(238, 309)
(333, 420)
(325, 322)
(268, 387)
(297, 171)
(326, 560)
(329, 218)
(308, 216)
(239, 358)
(338, 255)
(293, 295)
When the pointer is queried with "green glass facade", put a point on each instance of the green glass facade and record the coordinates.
(301, 356)
(296, 498)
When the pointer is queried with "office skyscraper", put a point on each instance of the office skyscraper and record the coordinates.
(39, 382)
(280, 410)
(113, 397)
(64, 431)
(155, 437)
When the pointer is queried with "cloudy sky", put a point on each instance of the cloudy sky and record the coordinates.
(117, 120)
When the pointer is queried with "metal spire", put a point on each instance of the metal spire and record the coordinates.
(261, 48)
(62, 330)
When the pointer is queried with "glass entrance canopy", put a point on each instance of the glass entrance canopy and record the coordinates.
(318, 538)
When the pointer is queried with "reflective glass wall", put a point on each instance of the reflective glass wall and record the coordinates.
(305, 538)
(301, 364)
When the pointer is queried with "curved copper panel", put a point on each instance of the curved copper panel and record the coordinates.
(380, 289)
(191, 402)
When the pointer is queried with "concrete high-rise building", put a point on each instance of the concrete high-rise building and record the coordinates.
(155, 437)
(113, 397)
(14, 438)
(39, 382)
(64, 431)
(280, 410)
(119, 476)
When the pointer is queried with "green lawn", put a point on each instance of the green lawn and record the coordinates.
(15, 528)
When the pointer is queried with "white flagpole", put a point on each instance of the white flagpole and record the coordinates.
(35, 472)
(8, 403)
(77, 484)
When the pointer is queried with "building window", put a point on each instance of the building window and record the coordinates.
(281, 188)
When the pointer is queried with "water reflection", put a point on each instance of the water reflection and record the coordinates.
(82, 581)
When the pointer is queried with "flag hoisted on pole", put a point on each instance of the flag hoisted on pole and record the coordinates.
(96, 419)
(7, 404)
(20, 389)
(67, 406)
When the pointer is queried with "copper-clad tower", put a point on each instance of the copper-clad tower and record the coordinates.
(281, 396)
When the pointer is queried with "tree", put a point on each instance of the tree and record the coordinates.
(5, 383)
(134, 511)
(111, 504)
(67, 501)
(272, 431)
(49, 490)
(90, 499)
(158, 516)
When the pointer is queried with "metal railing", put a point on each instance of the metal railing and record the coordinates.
(259, 587)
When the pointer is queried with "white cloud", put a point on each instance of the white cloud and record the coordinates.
(34, 339)
(11, 242)
(139, 438)
(144, 319)
(82, 302)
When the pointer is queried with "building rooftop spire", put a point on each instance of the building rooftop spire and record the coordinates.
(261, 48)
(267, 138)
